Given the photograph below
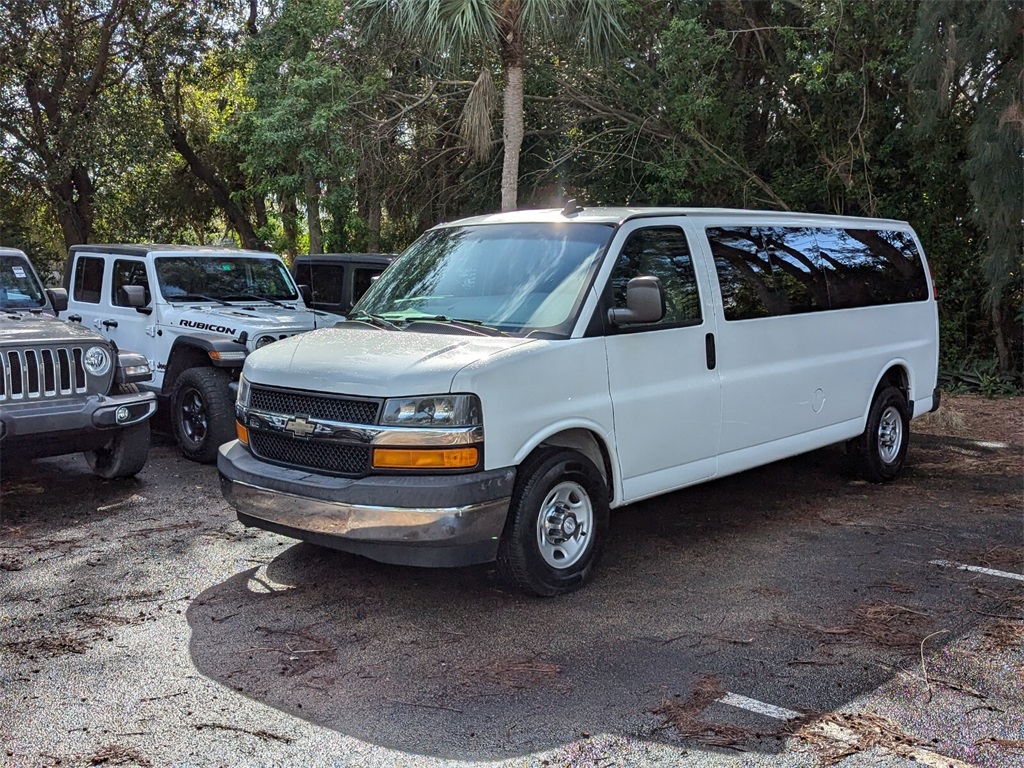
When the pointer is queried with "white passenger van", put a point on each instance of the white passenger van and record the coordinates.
(512, 377)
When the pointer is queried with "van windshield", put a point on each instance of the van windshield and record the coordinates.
(518, 279)
(19, 288)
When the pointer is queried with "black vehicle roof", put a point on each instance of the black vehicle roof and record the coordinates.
(334, 258)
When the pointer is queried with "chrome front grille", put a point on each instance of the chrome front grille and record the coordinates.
(342, 409)
(349, 458)
(51, 372)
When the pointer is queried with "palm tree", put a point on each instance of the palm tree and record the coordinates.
(447, 29)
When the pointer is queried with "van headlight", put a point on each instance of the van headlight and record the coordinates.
(97, 361)
(243, 391)
(432, 411)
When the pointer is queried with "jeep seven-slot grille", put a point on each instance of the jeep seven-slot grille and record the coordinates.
(41, 373)
(335, 458)
(340, 409)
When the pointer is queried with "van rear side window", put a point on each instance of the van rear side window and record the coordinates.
(813, 269)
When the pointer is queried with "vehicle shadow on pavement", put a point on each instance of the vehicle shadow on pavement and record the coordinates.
(793, 584)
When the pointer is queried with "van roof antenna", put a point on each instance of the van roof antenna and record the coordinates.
(571, 208)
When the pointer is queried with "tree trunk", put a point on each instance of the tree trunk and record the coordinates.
(290, 225)
(513, 136)
(73, 198)
(373, 220)
(316, 233)
(1002, 348)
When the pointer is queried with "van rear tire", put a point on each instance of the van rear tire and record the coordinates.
(880, 452)
(556, 525)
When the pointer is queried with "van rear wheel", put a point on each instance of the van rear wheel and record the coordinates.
(556, 525)
(882, 449)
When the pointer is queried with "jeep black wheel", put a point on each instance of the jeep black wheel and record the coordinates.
(203, 414)
(556, 524)
(126, 453)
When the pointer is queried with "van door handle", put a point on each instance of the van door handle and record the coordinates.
(709, 350)
(108, 324)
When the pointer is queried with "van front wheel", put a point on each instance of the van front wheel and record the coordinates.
(556, 524)
(881, 451)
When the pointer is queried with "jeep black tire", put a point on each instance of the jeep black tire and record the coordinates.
(202, 413)
(556, 524)
(126, 453)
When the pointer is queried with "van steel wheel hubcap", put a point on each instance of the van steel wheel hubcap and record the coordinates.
(890, 435)
(563, 526)
(193, 416)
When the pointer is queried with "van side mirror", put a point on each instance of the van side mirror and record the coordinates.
(306, 293)
(58, 298)
(645, 302)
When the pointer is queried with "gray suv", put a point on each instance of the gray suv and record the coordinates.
(63, 387)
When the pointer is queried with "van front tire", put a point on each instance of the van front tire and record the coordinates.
(556, 526)
(881, 450)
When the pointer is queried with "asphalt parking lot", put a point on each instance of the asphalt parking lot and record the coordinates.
(790, 615)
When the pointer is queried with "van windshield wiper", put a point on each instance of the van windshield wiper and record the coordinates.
(376, 320)
(475, 325)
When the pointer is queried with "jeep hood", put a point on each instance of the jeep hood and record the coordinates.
(372, 362)
(42, 328)
(253, 318)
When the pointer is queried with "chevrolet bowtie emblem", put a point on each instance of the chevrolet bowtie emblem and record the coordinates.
(300, 426)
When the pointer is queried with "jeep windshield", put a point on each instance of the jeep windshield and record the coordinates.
(220, 279)
(19, 286)
(520, 279)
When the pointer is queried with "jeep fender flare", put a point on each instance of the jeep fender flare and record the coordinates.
(201, 350)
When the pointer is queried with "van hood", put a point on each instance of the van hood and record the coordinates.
(372, 362)
(252, 318)
(43, 328)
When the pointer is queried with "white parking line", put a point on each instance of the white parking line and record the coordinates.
(978, 569)
(842, 734)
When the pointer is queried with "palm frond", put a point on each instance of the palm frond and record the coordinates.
(475, 125)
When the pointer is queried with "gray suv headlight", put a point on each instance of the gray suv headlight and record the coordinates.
(97, 361)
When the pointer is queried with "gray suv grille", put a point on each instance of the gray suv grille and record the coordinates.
(41, 373)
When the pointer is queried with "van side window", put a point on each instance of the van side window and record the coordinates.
(871, 267)
(88, 279)
(796, 266)
(128, 272)
(744, 273)
(660, 252)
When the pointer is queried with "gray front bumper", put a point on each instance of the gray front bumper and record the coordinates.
(422, 520)
(37, 418)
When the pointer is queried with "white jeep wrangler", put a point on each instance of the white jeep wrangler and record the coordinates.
(195, 313)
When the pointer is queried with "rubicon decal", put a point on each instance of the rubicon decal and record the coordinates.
(207, 327)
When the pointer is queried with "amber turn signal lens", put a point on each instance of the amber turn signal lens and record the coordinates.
(242, 432)
(443, 458)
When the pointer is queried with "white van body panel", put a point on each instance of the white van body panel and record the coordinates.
(370, 362)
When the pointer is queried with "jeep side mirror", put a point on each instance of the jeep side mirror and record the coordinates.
(58, 298)
(306, 293)
(645, 302)
(135, 295)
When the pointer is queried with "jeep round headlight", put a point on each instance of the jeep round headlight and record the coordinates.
(262, 341)
(97, 361)
(432, 411)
